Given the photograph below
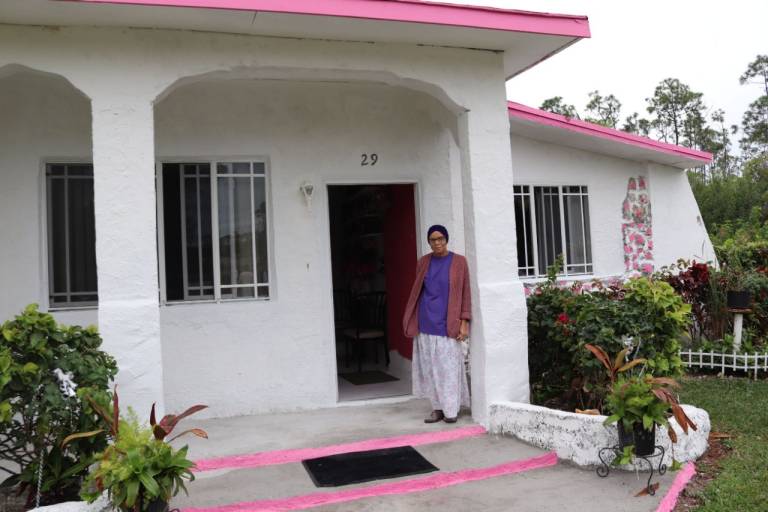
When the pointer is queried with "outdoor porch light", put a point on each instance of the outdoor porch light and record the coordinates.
(307, 189)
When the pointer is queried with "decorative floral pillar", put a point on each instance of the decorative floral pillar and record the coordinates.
(636, 228)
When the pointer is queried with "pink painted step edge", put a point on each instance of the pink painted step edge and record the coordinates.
(431, 482)
(681, 480)
(295, 455)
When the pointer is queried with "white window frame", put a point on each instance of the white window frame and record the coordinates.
(538, 272)
(47, 242)
(216, 257)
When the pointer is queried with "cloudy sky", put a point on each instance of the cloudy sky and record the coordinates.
(706, 44)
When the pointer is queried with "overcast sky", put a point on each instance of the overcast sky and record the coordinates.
(707, 44)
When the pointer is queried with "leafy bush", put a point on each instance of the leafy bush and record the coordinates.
(548, 334)
(643, 314)
(49, 374)
(704, 287)
(138, 470)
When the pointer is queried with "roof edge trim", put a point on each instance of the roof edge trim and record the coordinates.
(536, 115)
(412, 11)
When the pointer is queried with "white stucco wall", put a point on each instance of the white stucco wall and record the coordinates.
(281, 353)
(677, 229)
(43, 117)
(125, 71)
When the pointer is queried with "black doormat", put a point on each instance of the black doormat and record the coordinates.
(367, 377)
(358, 467)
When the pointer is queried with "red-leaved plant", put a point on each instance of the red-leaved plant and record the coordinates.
(139, 469)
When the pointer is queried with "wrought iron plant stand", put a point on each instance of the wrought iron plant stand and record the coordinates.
(604, 469)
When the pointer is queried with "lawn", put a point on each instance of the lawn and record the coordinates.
(739, 407)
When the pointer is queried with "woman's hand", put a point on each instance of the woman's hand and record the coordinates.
(463, 330)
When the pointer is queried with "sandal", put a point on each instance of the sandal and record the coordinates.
(435, 417)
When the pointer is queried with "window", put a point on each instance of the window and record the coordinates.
(214, 226)
(551, 221)
(71, 236)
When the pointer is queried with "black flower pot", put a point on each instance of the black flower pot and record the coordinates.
(626, 437)
(739, 300)
(643, 440)
(158, 505)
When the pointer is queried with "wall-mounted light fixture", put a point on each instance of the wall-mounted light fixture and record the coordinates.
(307, 189)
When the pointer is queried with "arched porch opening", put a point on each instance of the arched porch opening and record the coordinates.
(46, 204)
(274, 333)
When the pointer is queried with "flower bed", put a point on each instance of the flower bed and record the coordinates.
(579, 437)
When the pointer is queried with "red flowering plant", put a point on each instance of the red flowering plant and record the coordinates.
(563, 320)
(703, 288)
(549, 332)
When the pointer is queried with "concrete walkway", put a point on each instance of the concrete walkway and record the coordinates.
(560, 488)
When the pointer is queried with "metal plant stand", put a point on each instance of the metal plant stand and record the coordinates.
(605, 468)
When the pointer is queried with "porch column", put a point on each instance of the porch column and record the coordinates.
(126, 245)
(499, 337)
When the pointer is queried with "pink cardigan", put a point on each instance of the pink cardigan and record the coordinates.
(459, 296)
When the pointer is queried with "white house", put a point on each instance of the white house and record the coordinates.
(197, 177)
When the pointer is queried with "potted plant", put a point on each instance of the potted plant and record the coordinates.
(737, 296)
(139, 470)
(639, 403)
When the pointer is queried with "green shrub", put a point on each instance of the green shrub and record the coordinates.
(645, 314)
(138, 469)
(48, 375)
(549, 364)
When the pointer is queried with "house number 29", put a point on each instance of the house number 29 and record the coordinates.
(369, 159)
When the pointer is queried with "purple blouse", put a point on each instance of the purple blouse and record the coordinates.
(433, 303)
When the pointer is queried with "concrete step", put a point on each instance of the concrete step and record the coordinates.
(225, 486)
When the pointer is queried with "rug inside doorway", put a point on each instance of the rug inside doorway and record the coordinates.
(367, 377)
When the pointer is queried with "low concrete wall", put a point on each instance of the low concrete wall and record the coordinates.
(579, 437)
(100, 505)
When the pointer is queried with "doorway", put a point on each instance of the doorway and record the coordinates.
(373, 261)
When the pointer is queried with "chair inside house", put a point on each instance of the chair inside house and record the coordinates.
(342, 312)
(369, 319)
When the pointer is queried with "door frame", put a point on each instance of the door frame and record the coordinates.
(326, 230)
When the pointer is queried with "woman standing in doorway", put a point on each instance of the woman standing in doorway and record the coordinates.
(437, 317)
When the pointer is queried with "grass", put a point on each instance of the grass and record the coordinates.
(739, 407)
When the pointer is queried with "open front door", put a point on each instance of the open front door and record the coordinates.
(373, 252)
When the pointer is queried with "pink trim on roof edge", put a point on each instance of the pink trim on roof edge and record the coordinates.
(412, 11)
(595, 130)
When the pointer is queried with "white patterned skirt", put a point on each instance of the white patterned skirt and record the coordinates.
(439, 373)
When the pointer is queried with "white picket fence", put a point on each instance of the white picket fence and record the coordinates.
(718, 360)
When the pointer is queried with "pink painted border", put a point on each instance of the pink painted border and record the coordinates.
(535, 115)
(435, 481)
(296, 455)
(412, 11)
(681, 480)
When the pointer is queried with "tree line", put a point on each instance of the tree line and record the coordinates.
(732, 191)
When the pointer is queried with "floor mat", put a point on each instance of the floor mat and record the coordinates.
(358, 467)
(367, 377)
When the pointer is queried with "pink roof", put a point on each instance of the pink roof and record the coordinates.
(413, 11)
(543, 117)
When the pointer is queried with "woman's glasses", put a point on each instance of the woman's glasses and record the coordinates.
(437, 240)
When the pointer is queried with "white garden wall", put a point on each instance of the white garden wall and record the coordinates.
(580, 437)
